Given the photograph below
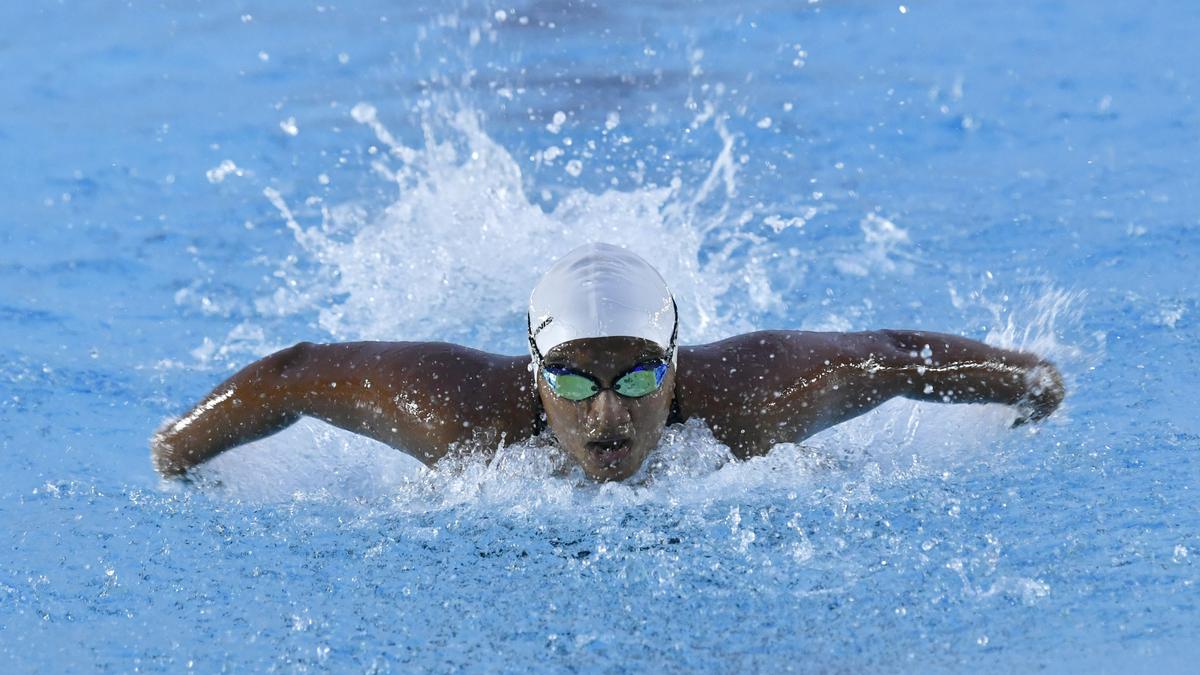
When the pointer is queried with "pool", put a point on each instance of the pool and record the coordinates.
(190, 187)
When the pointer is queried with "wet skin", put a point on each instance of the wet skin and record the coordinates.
(753, 391)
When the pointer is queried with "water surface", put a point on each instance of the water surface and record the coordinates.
(187, 188)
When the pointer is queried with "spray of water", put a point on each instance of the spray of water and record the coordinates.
(454, 256)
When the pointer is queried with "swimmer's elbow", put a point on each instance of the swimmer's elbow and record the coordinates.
(903, 347)
(284, 366)
(293, 357)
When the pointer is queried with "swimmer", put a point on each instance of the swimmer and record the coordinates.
(604, 375)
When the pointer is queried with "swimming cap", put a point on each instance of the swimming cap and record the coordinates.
(600, 290)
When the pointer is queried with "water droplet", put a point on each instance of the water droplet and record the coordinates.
(1180, 553)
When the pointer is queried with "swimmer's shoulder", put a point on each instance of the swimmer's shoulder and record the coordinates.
(713, 375)
(734, 378)
(757, 350)
(443, 375)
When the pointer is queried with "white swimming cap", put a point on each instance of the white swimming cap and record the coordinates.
(600, 290)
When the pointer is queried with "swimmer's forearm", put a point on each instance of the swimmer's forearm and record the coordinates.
(252, 404)
(953, 369)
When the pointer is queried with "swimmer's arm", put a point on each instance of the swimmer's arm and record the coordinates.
(769, 387)
(417, 397)
(878, 365)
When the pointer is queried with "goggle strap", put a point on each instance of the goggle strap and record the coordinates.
(533, 348)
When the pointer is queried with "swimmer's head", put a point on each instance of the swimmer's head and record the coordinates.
(602, 330)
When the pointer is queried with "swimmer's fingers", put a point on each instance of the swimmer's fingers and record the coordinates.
(1045, 392)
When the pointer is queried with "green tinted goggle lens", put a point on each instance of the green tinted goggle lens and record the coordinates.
(570, 386)
(573, 386)
(636, 383)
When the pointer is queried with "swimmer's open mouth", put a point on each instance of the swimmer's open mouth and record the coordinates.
(610, 450)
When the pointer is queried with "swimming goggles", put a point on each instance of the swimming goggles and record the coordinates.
(574, 385)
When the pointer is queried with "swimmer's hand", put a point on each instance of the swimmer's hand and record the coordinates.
(1044, 393)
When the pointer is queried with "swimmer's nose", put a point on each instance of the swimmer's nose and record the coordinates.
(609, 413)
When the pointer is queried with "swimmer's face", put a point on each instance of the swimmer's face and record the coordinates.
(609, 435)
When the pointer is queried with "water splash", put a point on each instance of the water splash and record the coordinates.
(884, 251)
(453, 256)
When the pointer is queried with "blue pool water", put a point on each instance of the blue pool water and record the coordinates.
(186, 188)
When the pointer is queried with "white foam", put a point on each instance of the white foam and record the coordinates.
(454, 256)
